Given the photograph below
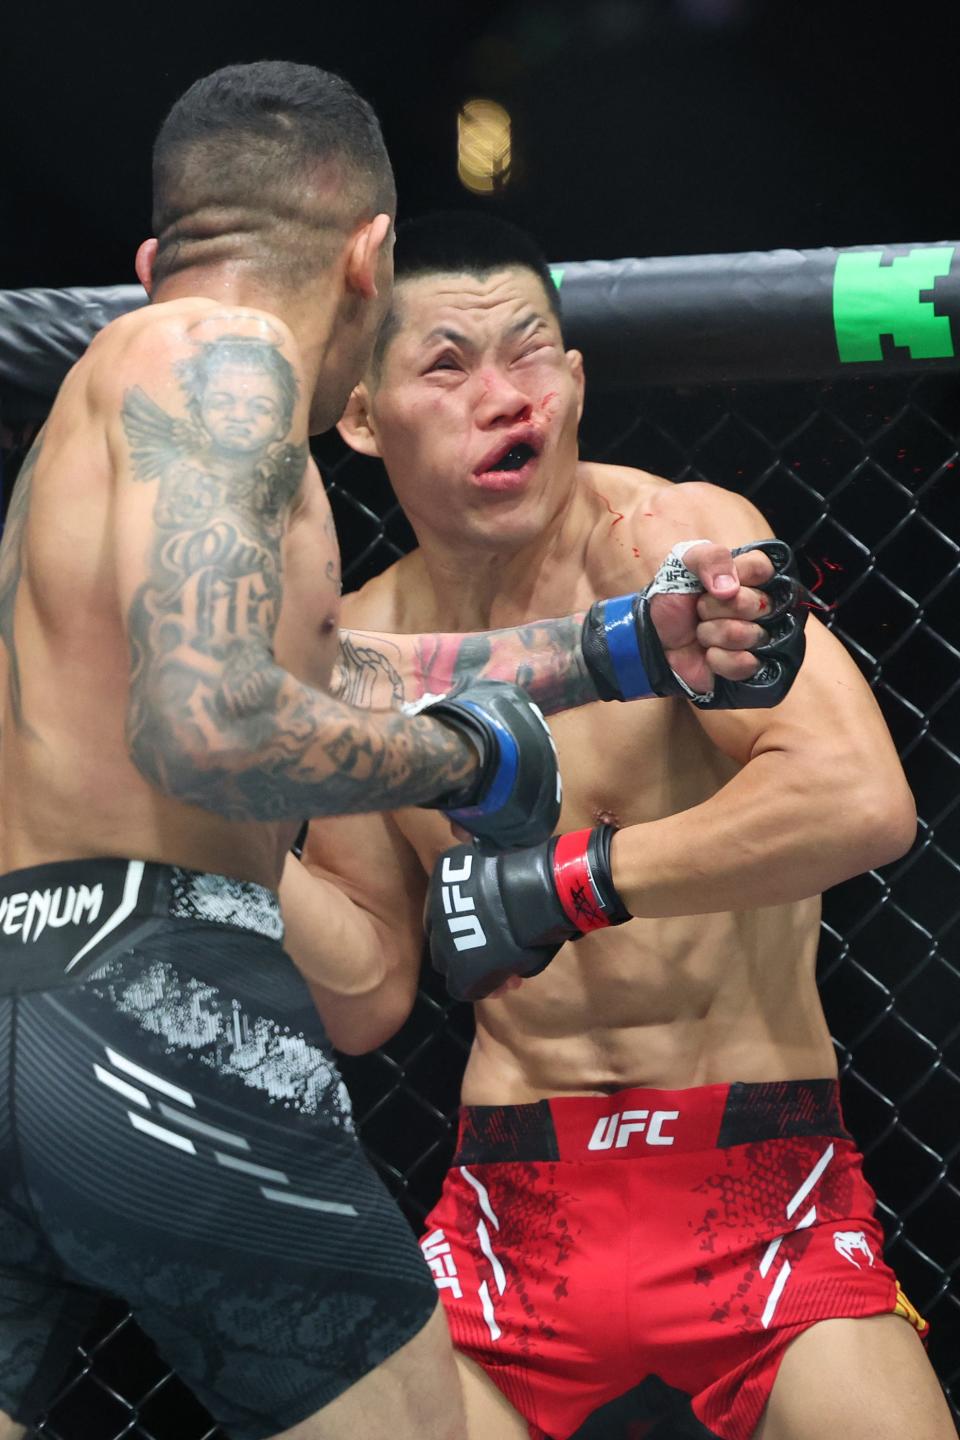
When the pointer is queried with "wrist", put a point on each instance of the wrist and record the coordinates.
(610, 641)
(583, 879)
(468, 757)
(511, 798)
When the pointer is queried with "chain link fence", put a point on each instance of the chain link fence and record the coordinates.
(862, 478)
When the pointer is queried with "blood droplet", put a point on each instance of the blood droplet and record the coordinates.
(618, 514)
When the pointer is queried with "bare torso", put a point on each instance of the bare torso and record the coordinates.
(68, 788)
(689, 1000)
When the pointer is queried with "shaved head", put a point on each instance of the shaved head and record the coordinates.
(272, 164)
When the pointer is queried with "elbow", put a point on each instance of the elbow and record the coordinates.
(362, 1039)
(221, 779)
(182, 772)
(894, 824)
(202, 751)
(167, 749)
(883, 821)
(360, 1023)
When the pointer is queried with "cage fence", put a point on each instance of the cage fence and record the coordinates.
(861, 477)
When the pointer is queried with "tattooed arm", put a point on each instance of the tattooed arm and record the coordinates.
(210, 449)
(544, 657)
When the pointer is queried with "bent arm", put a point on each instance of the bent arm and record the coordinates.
(821, 795)
(200, 513)
(352, 914)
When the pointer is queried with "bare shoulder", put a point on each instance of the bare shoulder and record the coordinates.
(390, 602)
(713, 512)
(150, 343)
(620, 489)
(639, 517)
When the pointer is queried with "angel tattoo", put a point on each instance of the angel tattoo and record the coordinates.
(240, 394)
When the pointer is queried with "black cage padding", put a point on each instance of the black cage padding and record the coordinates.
(761, 315)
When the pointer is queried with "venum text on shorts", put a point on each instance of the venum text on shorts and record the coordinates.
(28, 913)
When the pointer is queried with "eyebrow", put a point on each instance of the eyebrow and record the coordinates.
(443, 332)
(533, 319)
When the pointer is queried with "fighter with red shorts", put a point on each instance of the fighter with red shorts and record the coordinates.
(648, 1256)
(656, 1222)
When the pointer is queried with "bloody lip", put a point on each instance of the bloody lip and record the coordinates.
(489, 477)
(504, 482)
(527, 435)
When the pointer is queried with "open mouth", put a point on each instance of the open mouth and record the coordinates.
(509, 465)
(515, 458)
(506, 465)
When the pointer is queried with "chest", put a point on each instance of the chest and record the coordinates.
(626, 764)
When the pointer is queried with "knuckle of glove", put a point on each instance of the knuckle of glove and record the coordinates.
(784, 595)
(778, 552)
(781, 653)
(780, 662)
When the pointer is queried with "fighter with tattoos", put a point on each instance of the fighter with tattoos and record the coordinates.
(173, 1129)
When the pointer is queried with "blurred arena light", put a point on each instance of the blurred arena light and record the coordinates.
(484, 150)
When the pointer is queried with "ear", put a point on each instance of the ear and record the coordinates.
(146, 256)
(364, 255)
(356, 423)
(575, 364)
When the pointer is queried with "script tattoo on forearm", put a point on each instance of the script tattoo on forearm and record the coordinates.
(212, 718)
(11, 566)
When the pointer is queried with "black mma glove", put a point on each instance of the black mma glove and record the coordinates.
(488, 917)
(515, 798)
(623, 653)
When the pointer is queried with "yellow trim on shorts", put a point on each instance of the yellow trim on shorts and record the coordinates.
(909, 1312)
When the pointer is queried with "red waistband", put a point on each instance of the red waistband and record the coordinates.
(639, 1121)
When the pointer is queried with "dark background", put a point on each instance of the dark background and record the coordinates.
(641, 127)
(657, 127)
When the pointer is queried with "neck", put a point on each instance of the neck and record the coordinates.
(309, 313)
(487, 588)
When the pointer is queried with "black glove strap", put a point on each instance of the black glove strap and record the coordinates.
(471, 726)
(598, 858)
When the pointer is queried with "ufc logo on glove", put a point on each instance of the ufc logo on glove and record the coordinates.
(462, 919)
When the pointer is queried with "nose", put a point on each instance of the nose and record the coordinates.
(501, 401)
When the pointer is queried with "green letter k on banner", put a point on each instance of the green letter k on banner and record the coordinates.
(870, 300)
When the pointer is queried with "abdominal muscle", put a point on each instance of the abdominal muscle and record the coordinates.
(667, 1004)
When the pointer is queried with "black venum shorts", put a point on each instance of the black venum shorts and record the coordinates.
(173, 1131)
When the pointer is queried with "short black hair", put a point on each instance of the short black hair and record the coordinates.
(235, 157)
(462, 242)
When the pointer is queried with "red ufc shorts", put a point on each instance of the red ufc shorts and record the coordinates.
(616, 1262)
